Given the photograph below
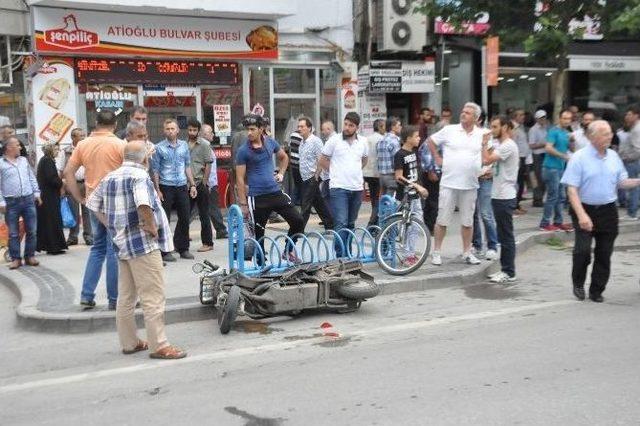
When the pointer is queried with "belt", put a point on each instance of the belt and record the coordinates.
(80, 181)
(599, 206)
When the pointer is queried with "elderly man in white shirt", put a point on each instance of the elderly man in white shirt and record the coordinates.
(461, 165)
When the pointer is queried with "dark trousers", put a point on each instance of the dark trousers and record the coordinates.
(178, 197)
(605, 231)
(296, 185)
(77, 209)
(538, 192)
(261, 207)
(503, 213)
(202, 201)
(214, 212)
(430, 212)
(523, 172)
(374, 193)
(311, 197)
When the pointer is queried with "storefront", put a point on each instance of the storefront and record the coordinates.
(177, 67)
(607, 84)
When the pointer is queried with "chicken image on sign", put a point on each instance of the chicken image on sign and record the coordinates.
(222, 120)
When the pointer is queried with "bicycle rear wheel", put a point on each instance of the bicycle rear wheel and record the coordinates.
(402, 247)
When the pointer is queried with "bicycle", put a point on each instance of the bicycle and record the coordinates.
(404, 242)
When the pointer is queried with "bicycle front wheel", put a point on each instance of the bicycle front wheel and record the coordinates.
(402, 247)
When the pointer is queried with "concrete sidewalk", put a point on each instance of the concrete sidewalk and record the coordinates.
(50, 293)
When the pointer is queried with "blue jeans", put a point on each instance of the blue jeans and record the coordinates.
(503, 210)
(633, 169)
(345, 206)
(24, 207)
(102, 248)
(554, 200)
(484, 212)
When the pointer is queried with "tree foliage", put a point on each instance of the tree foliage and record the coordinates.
(628, 19)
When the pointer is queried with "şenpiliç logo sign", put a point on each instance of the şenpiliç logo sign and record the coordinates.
(70, 36)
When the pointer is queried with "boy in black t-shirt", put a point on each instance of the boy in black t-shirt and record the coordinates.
(406, 168)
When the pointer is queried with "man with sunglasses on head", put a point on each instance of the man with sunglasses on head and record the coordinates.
(255, 169)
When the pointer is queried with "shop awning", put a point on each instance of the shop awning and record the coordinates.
(247, 9)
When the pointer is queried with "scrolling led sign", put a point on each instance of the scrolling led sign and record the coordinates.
(158, 72)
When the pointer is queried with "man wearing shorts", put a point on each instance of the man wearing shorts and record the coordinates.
(461, 164)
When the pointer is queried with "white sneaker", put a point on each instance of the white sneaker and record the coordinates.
(501, 277)
(491, 255)
(471, 259)
(436, 259)
(494, 274)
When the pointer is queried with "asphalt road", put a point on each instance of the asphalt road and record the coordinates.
(527, 353)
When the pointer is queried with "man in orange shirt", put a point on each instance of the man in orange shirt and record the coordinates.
(101, 153)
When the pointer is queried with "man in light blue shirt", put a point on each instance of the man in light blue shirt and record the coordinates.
(19, 194)
(171, 173)
(593, 177)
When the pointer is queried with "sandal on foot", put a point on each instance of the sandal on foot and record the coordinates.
(141, 346)
(168, 352)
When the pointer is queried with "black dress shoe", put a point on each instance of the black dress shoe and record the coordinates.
(186, 255)
(72, 242)
(168, 257)
(596, 298)
(578, 292)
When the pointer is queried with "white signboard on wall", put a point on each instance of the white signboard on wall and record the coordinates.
(222, 120)
(402, 77)
(604, 64)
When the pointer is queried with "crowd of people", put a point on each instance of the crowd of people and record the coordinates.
(123, 189)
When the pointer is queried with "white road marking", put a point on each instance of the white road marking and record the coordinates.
(234, 353)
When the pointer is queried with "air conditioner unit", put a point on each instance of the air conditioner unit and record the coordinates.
(398, 28)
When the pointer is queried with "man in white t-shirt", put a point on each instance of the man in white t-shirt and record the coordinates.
(580, 139)
(344, 155)
(461, 165)
(503, 194)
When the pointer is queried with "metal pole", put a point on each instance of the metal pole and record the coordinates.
(485, 88)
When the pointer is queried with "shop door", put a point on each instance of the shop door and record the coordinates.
(179, 103)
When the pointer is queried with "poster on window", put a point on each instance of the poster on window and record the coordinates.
(349, 98)
(222, 120)
(52, 108)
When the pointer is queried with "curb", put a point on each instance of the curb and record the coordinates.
(33, 319)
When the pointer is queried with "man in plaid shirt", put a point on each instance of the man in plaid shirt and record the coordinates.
(126, 202)
(387, 149)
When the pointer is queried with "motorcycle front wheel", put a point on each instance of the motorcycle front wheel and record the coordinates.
(227, 313)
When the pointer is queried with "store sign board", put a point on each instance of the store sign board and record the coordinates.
(51, 105)
(109, 97)
(401, 77)
(604, 64)
(493, 52)
(86, 32)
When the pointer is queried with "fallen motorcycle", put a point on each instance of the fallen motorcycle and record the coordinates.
(338, 284)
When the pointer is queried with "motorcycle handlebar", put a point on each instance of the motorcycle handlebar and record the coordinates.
(211, 265)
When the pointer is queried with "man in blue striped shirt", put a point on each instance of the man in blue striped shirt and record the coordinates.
(19, 194)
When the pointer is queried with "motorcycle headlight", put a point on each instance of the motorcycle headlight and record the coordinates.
(207, 291)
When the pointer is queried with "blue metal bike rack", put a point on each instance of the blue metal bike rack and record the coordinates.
(310, 247)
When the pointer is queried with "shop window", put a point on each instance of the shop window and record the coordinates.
(120, 99)
(12, 103)
(611, 93)
(287, 113)
(259, 88)
(291, 80)
(329, 83)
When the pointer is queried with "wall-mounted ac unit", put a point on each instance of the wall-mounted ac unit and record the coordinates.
(398, 27)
